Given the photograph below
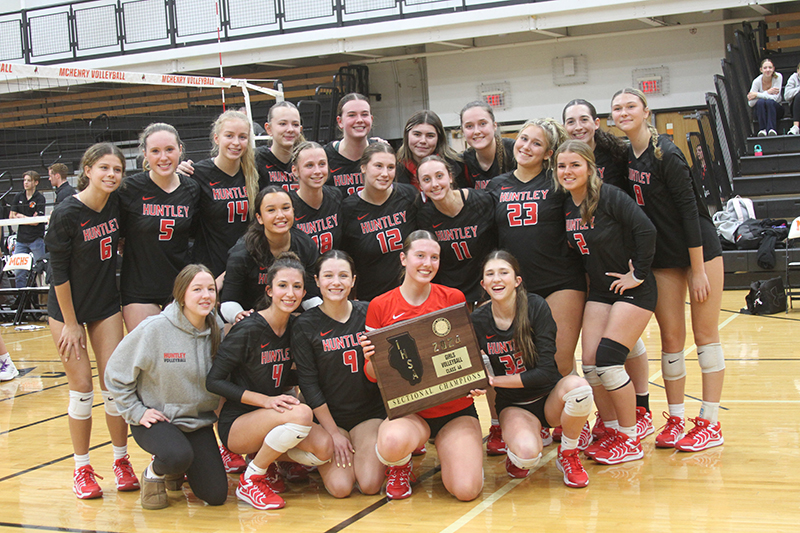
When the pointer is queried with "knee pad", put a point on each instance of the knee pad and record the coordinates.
(590, 375)
(673, 365)
(525, 464)
(711, 358)
(286, 436)
(638, 350)
(578, 401)
(80, 405)
(613, 377)
(109, 404)
(401, 462)
(305, 458)
(610, 353)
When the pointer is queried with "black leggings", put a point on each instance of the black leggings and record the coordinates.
(196, 453)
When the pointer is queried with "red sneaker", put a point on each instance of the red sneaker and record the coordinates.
(398, 481)
(621, 450)
(644, 423)
(569, 463)
(515, 471)
(422, 450)
(84, 483)
(125, 476)
(671, 432)
(702, 436)
(557, 432)
(585, 438)
(601, 442)
(274, 479)
(292, 472)
(495, 445)
(234, 463)
(256, 491)
(547, 439)
(599, 428)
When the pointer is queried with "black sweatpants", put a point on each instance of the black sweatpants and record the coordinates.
(195, 453)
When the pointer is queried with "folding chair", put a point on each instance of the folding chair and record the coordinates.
(792, 293)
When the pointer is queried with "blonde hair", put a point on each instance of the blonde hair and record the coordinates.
(182, 282)
(593, 182)
(653, 131)
(554, 134)
(248, 159)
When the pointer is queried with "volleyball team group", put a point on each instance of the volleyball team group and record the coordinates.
(301, 249)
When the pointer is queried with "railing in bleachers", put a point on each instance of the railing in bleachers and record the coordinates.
(87, 29)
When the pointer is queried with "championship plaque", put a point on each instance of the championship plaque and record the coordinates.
(427, 361)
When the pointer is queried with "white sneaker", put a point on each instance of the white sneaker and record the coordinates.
(772, 133)
(8, 371)
(794, 130)
(762, 133)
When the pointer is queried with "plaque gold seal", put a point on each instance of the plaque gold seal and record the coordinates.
(441, 327)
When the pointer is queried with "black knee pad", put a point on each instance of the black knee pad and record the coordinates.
(610, 353)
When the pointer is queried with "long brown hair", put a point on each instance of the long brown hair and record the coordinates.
(182, 282)
(442, 148)
(523, 329)
(499, 150)
(606, 142)
(92, 155)
(284, 260)
(255, 240)
(593, 181)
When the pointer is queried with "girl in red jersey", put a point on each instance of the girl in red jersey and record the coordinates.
(424, 135)
(530, 222)
(616, 243)
(354, 118)
(611, 158)
(82, 240)
(316, 205)
(688, 255)
(453, 425)
(157, 209)
(376, 220)
(275, 163)
(252, 369)
(330, 366)
(518, 336)
(488, 154)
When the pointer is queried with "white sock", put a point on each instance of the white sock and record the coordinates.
(568, 443)
(253, 470)
(151, 474)
(81, 460)
(630, 432)
(495, 422)
(611, 424)
(677, 409)
(710, 411)
(120, 452)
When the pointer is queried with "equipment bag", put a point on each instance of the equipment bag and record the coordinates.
(766, 297)
(736, 211)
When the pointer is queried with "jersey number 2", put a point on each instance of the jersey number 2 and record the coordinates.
(581, 243)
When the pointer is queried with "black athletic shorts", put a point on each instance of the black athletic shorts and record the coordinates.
(161, 302)
(436, 424)
(644, 296)
(349, 422)
(534, 407)
(576, 284)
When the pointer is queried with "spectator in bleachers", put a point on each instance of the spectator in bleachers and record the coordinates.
(789, 93)
(765, 96)
(58, 179)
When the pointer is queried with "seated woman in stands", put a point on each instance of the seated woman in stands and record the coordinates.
(789, 93)
(765, 96)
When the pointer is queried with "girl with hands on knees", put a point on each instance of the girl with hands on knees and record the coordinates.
(252, 369)
(517, 336)
(83, 296)
(157, 375)
(330, 365)
(616, 242)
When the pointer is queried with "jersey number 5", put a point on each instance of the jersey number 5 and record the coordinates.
(166, 228)
(524, 214)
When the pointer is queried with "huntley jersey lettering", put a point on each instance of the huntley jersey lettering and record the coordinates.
(229, 193)
(315, 226)
(275, 356)
(175, 357)
(348, 179)
(457, 234)
(521, 196)
(101, 230)
(500, 347)
(576, 224)
(387, 221)
(639, 177)
(165, 210)
(340, 343)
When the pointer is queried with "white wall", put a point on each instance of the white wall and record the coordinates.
(403, 91)
(692, 60)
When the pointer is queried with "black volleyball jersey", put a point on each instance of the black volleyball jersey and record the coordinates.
(64, 191)
(246, 280)
(530, 224)
(373, 235)
(83, 251)
(273, 171)
(222, 217)
(499, 346)
(30, 207)
(343, 173)
(157, 226)
(478, 178)
(330, 365)
(665, 190)
(612, 172)
(465, 240)
(251, 357)
(619, 231)
(323, 225)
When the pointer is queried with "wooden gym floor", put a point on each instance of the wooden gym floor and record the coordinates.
(746, 485)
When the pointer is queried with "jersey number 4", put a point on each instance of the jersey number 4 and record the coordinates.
(277, 374)
(523, 214)
(390, 240)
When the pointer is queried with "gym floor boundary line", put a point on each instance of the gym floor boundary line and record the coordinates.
(41, 390)
(49, 463)
(54, 528)
(41, 421)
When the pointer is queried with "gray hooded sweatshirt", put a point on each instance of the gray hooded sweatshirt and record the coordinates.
(162, 364)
